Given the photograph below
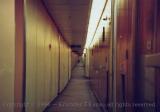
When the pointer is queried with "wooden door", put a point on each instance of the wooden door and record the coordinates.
(147, 55)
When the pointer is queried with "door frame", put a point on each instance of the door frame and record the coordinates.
(20, 58)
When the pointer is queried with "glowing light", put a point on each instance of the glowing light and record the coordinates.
(95, 17)
(96, 11)
(84, 51)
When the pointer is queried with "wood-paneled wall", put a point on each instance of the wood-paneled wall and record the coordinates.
(135, 36)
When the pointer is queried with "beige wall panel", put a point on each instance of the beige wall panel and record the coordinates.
(61, 68)
(42, 61)
(63, 65)
(43, 57)
(54, 65)
(70, 68)
(66, 64)
(31, 58)
(7, 45)
(40, 81)
(47, 66)
(34, 57)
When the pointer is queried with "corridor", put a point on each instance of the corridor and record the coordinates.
(77, 96)
(79, 55)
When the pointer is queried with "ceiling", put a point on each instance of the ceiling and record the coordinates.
(72, 18)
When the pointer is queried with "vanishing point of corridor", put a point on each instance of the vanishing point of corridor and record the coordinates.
(77, 96)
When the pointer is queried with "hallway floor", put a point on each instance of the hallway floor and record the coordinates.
(77, 97)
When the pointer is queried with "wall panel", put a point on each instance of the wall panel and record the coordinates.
(7, 57)
(69, 62)
(63, 65)
(146, 40)
(31, 58)
(42, 49)
(54, 64)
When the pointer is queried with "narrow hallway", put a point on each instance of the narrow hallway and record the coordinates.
(77, 97)
(117, 41)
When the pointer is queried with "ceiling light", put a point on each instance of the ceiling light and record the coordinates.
(96, 22)
(96, 11)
